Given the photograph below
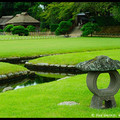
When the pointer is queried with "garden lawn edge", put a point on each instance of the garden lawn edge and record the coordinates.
(8, 72)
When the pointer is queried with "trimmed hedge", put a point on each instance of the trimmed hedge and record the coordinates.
(20, 30)
(31, 28)
(8, 28)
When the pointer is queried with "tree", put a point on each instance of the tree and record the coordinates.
(35, 10)
(45, 4)
(115, 10)
(95, 8)
(21, 7)
(53, 27)
(13, 8)
(6, 8)
(63, 28)
(89, 28)
(20, 30)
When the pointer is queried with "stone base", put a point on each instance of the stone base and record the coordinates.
(102, 102)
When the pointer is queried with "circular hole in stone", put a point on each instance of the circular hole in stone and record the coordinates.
(103, 81)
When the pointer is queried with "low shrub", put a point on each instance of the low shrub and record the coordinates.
(20, 30)
(57, 31)
(89, 28)
(1, 30)
(8, 28)
(31, 28)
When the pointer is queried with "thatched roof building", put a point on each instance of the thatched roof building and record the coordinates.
(24, 19)
(3, 20)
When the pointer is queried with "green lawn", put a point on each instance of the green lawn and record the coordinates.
(75, 58)
(33, 47)
(40, 101)
(6, 68)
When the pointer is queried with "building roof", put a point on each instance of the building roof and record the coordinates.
(22, 18)
(4, 19)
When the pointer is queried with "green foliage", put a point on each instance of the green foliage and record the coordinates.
(53, 27)
(95, 8)
(43, 25)
(35, 10)
(89, 28)
(44, 30)
(54, 12)
(31, 28)
(6, 8)
(45, 3)
(57, 31)
(116, 11)
(106, 21)
(8, 28)
(1, 30)
(20, 30)
(58, 11)
(63, 28)
(21, 7)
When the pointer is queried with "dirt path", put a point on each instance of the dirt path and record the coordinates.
(76, 32)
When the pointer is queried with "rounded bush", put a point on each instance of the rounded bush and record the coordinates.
(63, 28)
(1, 30)
(8, 28)
(89, 28)
(20, 30)
(57, 31)
(31, 28)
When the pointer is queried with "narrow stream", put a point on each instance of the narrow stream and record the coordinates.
(39, 79)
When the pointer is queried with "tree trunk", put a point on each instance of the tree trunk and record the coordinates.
(91, 34)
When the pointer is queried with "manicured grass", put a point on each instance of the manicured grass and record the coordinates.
(51, 75)
(6, 68)
(41, 101)
(74, 58)
(32, 47)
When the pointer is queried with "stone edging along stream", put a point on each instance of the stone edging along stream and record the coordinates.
(16, 75)
(45, 67)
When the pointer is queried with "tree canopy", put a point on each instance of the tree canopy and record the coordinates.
(55, 12)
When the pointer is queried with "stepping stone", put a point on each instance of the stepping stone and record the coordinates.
(68, 103)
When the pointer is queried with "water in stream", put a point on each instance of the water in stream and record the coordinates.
(39, 79)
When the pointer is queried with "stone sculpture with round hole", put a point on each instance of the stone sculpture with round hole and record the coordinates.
(95, 67)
